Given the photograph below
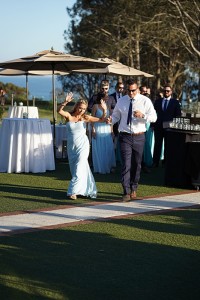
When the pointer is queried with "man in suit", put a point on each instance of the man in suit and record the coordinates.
(166, 108)
(119, 92)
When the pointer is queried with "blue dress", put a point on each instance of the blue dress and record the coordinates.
(149, 146)
(149, 143)
(82, 182)
(103, 152)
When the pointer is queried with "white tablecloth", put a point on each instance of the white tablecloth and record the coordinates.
(26, 145)
(17, 111)
(60, 135)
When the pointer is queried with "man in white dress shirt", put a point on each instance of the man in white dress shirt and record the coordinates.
(132, 111)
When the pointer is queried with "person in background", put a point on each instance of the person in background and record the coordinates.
(110, 101)
(119, 92)
(82, 182)
(103, 153)
(147, 156)
(132, 111)
(2, 96)
(104, 88)
(166, 108)
(144, 90)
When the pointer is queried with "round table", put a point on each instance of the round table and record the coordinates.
(26, 145)
(18, 111)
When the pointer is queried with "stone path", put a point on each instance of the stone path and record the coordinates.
(18, 223)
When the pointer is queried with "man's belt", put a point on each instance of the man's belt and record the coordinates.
(132, 134)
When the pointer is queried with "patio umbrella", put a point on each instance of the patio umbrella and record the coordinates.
(14, 72)
(50, 60)
(114, 68)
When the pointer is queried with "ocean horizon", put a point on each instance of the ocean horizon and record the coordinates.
(38, 86)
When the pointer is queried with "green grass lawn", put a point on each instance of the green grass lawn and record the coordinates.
(149, 256)
(45, 190)
(30, 191)
(152, 256)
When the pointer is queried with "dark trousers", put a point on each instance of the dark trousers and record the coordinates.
(131, 148)
(159, 135)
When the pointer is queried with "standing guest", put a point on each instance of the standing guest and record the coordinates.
(147, 154)
(144, 90)
(110, 101)
(2, 96)
(119, 92)
(132, 111)
(104, 88)
(103, 152)
(166, 108)
(82, 182)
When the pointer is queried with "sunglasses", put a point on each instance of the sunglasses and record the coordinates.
(121, 87)
(167, 91)
(131, 91)
(103, 88)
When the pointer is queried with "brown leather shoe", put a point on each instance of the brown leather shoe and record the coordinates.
(133, 195)
(126, 198)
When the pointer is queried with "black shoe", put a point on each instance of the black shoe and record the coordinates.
(146, 170)
(155, 165)
(163, 163)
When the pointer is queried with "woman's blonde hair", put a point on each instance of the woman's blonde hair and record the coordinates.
(77, 104)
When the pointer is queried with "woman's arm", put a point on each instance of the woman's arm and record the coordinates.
(60, 109)
(93, 119)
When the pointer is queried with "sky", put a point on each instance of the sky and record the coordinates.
(30, 26)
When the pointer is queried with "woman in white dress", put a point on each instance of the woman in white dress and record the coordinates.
(103, 151)
(82, 182)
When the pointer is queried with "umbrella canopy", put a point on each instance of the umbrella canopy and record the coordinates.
(50, 60)
(14, 72)
(53, 61)
(114, 68)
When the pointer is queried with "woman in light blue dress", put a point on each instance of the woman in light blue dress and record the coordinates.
(82, 182)
(103, 151)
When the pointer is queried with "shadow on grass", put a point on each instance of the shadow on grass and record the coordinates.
(62, 172)
(144, 257)
(37, 191)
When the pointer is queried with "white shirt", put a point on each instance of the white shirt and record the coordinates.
(141, 103)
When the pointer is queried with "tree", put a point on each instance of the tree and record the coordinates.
(150, 35)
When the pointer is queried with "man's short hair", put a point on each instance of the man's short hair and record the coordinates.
(104, 82)
(131, 81)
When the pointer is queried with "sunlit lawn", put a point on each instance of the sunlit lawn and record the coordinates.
(44, 190)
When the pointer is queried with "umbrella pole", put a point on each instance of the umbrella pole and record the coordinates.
(54, 113)
(27, 92)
